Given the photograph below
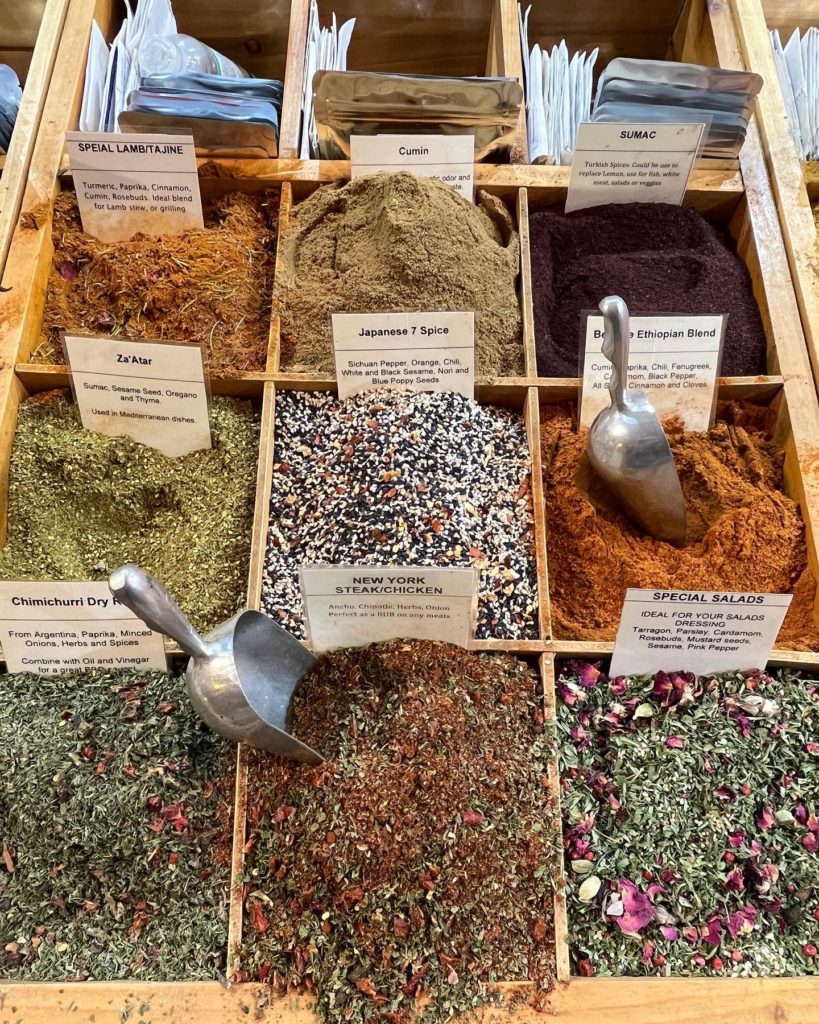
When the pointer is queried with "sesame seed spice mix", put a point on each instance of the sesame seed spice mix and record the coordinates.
(395, 477)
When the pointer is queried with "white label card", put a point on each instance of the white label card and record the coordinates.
(420, 351)
(632, 163)
(351, 606)
(134, 183)
(700, 631)
(675, 360)
(50, 628)
(151, 391)
(449, 158)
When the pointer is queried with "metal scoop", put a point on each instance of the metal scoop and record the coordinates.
(628, 447)
(240, 677)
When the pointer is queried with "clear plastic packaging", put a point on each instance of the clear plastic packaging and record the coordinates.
(181, 54)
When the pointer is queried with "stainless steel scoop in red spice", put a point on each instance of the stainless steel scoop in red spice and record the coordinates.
(627, 446)
(240, 677)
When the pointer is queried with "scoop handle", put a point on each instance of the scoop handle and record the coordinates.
(616, 346)
(151, 602)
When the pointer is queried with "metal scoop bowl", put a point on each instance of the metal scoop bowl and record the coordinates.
(627, 445)
(240, 677)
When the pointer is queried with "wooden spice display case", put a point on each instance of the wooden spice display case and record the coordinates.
(737, 199)
(795, 183)
(29, 37)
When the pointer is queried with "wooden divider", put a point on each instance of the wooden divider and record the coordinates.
(35, 78)
(795, 185)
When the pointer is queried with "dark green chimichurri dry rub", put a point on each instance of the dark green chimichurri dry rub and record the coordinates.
(81, 503)
(115, 830)
(691, 823)
(418, 859)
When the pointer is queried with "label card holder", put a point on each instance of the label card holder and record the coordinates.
(154, 392)
(351, 606)
(704, 632)
(632, 163)
(420, 351)
(449, 158)
(129, 183)
(675, 360)
(55, 627)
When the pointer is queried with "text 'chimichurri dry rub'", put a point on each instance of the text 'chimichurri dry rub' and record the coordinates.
(418, 859)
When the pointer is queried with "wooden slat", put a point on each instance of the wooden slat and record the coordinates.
(290, 128)
(18, 158)
(261, 514)
(531, 412)
(787, 179)
(581, 1001)
(561, 922)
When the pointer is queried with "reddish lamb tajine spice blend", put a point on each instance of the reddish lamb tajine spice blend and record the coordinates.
(659, 258)
(744, 532)
(690, 822)
(418, 858)
(212, 286)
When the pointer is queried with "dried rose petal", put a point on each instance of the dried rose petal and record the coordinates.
(585, 968)
(637, 909)
(675, 742)
(800, 812)
(712, 932)
(669, 933)
(587, 674)
(68, 270)
(765, 819)
(725, 793)
(812, 748)
(473, 818)
(690, 934)
(736, 839)
(734, 882)
(619, 687)
(742, 921)
(810, 840)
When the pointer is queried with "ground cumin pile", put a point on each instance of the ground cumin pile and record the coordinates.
(394, 242)
(212, 286)
(744, 532)
(659, 258)
(418, 859)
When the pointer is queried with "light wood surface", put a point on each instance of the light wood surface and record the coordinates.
(789, 180)
(38, 77)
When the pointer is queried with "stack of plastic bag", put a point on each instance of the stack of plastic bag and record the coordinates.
(797, 63)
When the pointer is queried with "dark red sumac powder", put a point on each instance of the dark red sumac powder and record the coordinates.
(659, 258)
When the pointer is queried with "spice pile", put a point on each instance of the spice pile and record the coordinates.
(81, 503)
(690, 823)
(400, 478)
(659, 258)
(212, 286)
(115, 808)
(744, 532)
(394, 242)
(418, 859)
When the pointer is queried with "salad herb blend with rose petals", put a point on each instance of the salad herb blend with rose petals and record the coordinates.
(691, 823)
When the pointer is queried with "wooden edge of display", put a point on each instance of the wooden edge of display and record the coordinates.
(290, 128)
(526, 300)
(264, 477)
(579, 1001)
(789, 177)
(21, 149)
(561, 923)
(237, 862)
(532, 420)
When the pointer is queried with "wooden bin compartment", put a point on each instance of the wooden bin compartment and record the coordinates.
(29, 271)
(29, 37)
(732, 999)
(296, 191)
(795, 184)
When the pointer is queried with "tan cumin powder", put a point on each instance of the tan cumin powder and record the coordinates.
(394, 242)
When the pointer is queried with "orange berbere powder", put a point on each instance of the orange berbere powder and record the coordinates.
(744, 532)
